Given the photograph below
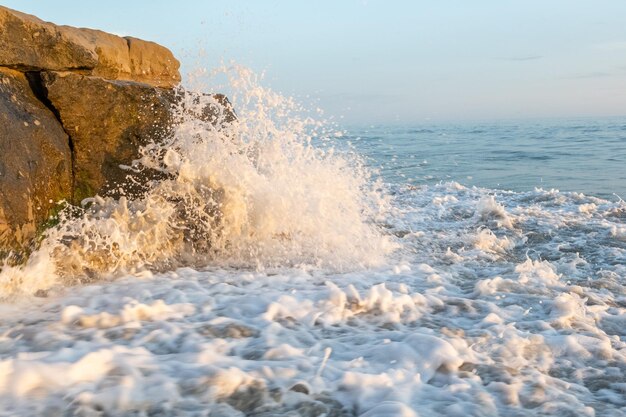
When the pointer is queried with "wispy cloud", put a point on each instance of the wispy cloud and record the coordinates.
(619, 71)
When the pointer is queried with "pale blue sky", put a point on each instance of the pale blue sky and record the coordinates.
(375, 61)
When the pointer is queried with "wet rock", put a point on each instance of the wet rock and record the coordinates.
(34, 149)
(108, 121)
(229, 330)
(76, 105)
(248, 398)
(301, 388)
(210, 108)
(312, 409)
(319, 406)
(334, 407)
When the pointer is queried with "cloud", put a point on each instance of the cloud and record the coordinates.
(619, 71)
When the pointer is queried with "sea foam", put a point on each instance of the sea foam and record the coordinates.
(254, 192)
(493, 303)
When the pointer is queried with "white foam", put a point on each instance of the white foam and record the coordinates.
(618, 232)
(253, 193)
(487, 241)
(507, 306)
(488, 208)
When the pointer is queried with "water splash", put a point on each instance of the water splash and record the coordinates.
(251, 192)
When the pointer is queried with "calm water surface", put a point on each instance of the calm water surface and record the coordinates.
(582, 155)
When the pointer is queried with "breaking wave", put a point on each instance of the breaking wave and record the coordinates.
(253, 191)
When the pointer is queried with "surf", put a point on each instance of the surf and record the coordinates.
(253, 192)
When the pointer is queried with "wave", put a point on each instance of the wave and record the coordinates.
(254, 192)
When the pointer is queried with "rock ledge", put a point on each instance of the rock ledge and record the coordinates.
(27, 43)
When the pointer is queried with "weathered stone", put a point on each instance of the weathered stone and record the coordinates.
(35, 167)
(153, 62)
(30, 44)
(113, 61)
(108, 122)
(75, 104)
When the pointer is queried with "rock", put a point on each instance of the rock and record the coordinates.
(33, 150)
(210, 108)
(75, 104)
(108, 121)
(153, 62)
(30, 44)
(229, 330)
(112, 57)
(247, 398)
(301, 388)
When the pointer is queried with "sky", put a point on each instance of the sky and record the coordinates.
(375, 61)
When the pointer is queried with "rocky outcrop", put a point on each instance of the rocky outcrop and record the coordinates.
(30, 44)
(75, 106)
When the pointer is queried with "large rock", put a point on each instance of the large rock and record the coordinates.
(75, 106)
(35, 161)
(30, 44)
(108, 121)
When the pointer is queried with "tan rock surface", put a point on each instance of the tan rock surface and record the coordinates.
(149, 60)
(35, 163)
(75, 105)
(108, 122)
(28, 43)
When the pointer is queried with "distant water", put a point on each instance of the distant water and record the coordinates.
(582, 155)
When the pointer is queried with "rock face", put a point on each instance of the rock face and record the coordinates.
(75, 104)
(108, 122)
(35, 160)
(30, 44)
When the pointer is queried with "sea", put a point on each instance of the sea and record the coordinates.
(584, 155)
(291, 267)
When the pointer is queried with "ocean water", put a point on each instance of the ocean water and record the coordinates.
(279, 271)
(585, 155)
